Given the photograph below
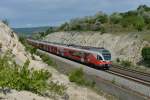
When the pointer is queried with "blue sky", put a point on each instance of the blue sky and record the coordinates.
(31, 13)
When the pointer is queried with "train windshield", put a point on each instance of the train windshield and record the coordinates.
(106, 54)
(99, 57)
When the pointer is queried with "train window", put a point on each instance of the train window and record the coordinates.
(99, 57)
(76, 53)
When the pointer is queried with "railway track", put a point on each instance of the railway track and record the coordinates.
(140, 77)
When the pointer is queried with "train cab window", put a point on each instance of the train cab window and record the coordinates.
(99, 57)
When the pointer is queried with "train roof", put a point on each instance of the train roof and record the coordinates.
(90, 48)
(83, 48)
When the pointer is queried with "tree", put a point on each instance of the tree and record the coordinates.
(133, 21)
(138, 23)
(143, 7)
(96, 26)
(115, 18)
(101, 17)
(64, 27)
(146, 16)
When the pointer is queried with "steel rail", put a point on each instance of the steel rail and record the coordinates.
(137, 77)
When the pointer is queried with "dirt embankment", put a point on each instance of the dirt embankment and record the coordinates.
(9, 41)
(122, 46)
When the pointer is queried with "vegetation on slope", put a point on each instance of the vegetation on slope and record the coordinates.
(20, 77)
(146, 55)
(136, 20)
(131, 21)
(78, 77)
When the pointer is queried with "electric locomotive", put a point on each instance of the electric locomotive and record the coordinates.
(98, 57)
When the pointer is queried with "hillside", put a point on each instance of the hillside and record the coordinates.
(133, 20)
(19, 88)
(29, 31)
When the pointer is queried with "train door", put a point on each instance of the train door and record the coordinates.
(82, 55)
(86, 58)
(61, 51)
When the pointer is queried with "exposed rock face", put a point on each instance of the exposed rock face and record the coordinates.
(9, 41)
(123, 46)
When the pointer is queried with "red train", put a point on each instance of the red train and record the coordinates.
(98, 57)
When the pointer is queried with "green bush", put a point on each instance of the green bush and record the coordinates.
(118, 60)
(77, 76)
(115, 18)
(59, 89)
(28, 47)
(134, 21)
(103, 30)
(101, 17)
(21, 78)
(146, 54)
(46, 59)
(126, 63)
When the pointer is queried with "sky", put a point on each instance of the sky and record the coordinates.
(32, 13)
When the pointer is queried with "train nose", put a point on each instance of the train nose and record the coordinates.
(107, 66)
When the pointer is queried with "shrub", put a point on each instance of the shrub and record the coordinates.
(117, 60)
(78, 77)
(101, 17)
(103, 30)
(113, 81)
(28, 47)
(139, 23)
(146, 54)
(125, 63)
(21, 78)
(46, 59)
(115, 18)
(59, 89)
(136, 22)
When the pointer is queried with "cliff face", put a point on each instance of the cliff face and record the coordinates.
(9, 41)
(122, 46)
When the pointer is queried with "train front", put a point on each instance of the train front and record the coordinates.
(104, 57)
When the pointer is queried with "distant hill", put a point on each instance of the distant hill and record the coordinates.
(29, 31)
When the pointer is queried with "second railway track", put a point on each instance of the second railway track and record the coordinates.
(140, 77)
